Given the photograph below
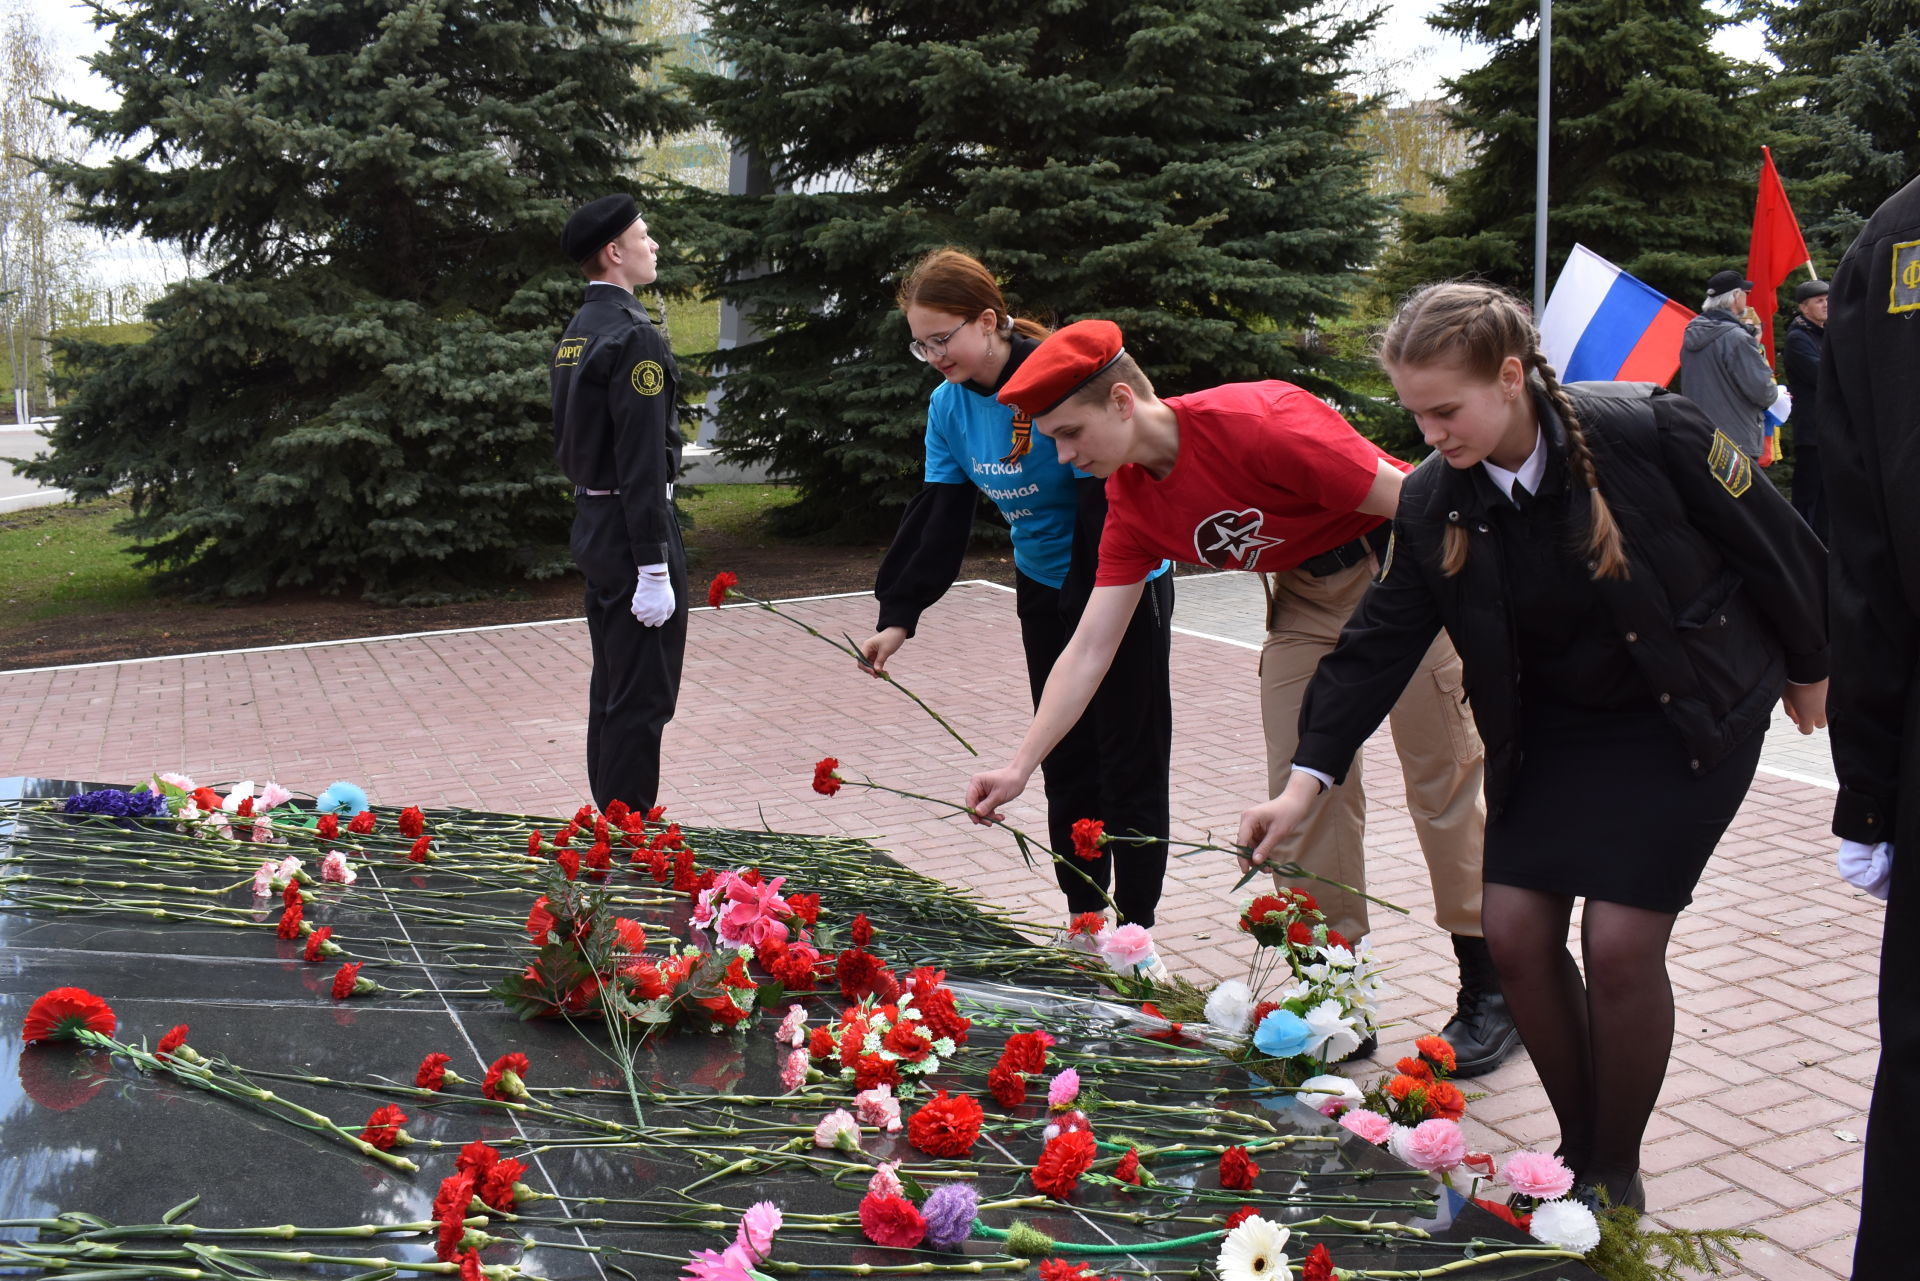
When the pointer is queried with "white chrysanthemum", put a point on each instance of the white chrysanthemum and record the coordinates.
(1567, 1224)
(1333, 1034)
(1230, 1007)
(1316, 1092)
(1254, 1251)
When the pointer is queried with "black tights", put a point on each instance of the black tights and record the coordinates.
(1600, 1045)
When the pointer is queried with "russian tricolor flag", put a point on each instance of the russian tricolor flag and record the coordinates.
(1602, 325)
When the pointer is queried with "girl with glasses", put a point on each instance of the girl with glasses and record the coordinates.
(1113, 765)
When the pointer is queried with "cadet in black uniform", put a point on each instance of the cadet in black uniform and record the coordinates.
(617, 436)
(1869, 430)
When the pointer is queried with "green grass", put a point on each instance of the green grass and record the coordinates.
(732, 511)
(63, 560)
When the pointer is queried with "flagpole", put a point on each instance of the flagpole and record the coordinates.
(1540, 162)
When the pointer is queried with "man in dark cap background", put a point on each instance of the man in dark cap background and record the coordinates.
(1722, 368)
(617, 438)
(1806, 333)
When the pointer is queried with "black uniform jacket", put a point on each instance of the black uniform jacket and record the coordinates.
(1725, 601)
(1870, 439)
(615, 425)
(1802, 358)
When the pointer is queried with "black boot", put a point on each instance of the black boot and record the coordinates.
(1482, 1032)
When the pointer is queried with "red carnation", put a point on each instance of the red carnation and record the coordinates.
(1087, 923)
(941, 1018)
(1009, 1085)
(470, 1269)
(685, 880)
(1062, 1270)
(329, 829)
(722, 1010)
(1318, 1265)
(418, 853)
(1336, 939)
(1237, 1170)
(245, 808)
(891, 1220)
(173, 1040)
(908, 1040)
(290, 920)
(1089, 834)
(569, 863)
(383, 1127)
(600, 857)
(362, 823)
(1437, 1051)
(496, 1185)
(820, 1042)
(450, 1208)
(945, 1126)
(1027, 1052)
(1263, 1009)
(1062, 1162)
(1263, 907)
(861, 931)
(1300, 934)
(540, 921)
(433, 1072)
(505, 1077)
(860, 974)
(533, 843)
(565, 835)
(723, 582)
(316, 949)
(871, 1071)
(290, 893)
(411, 822)
(1128, 1171)
(1240, 1216)
(346, 980)
(825, 780)
(805, 907)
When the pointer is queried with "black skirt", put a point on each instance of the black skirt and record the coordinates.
(1604, 806)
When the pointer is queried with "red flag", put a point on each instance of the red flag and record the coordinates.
(1777, 247)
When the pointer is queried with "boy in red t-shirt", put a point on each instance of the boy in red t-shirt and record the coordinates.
(1268, 478)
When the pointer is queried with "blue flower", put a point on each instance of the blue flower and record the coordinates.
(1283, 1034)
(342, 796)
(117, 804)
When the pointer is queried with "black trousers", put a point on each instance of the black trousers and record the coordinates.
(1114, 764)
(1884, 1246)
(1809, 495)
(636, 670)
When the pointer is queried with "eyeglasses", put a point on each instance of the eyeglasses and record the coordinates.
(928, 349)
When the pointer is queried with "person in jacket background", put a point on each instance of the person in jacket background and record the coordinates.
(1722, 368)
(1806, 334)
(1589, 550)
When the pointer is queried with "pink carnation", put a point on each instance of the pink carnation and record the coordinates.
(836, 1127)
(793, 1072)
(1063, 1089)
(1126, 946)
(757, 1227)
(334, 868)
(263, 879)
(885, 1182)
(878, 1107)
(793, 1028)
(1540, 1175)
(271, 795)
(1368, 1124)
(1434, 1146)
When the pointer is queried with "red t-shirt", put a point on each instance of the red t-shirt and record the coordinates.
(1268, 476)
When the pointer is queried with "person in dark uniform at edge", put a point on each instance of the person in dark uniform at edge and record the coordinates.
(617, 437)
(1869, 431)
(1806, 334)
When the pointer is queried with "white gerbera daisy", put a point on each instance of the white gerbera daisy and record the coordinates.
(1254, 1251)
(1567, 1224)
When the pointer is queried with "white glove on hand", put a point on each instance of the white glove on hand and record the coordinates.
(653, 596)
(1867, 867)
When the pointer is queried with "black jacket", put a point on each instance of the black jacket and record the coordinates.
(1802, 361)
(1870, 429)
(615, 418)
(1726, 598)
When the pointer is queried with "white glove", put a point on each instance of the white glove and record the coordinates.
(653, 596)
(1867, 867)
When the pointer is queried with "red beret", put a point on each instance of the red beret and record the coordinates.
(1068, 360)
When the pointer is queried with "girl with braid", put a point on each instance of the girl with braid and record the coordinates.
(1630, 597)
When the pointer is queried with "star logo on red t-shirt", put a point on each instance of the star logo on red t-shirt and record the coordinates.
(1232, 539)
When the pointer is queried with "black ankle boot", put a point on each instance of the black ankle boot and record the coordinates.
(1482, 1032)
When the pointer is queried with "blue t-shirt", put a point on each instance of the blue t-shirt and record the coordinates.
(967, 436)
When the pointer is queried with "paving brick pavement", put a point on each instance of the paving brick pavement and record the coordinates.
(1773, 965)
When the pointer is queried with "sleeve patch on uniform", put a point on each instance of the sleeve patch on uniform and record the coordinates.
(569, 352)
(648, 378)
(1733, 469)
(1906, 278)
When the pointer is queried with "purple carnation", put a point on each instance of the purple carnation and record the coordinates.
(115, 803)
(950, 1211)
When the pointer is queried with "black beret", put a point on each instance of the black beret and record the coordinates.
(1725, 282)
(596, 225)
(1810, 289)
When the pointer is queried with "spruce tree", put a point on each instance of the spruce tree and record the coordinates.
(1653, 153)
(352, 392)
(1184, 169)
(1855, 123)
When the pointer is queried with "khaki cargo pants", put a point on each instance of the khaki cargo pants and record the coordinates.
(1433, 732)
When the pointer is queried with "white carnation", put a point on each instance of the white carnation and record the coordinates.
(1567, 1224)
(1230, 1007)
(1316, 1092)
